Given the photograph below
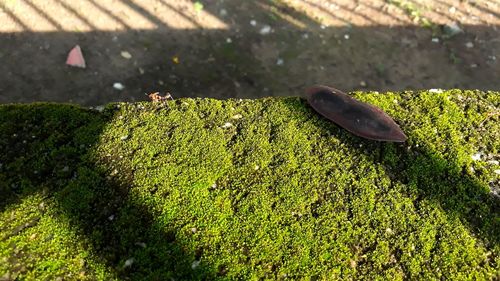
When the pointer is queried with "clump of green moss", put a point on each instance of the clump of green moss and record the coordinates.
(250, 189)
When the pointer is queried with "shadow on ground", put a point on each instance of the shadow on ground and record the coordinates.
(240, 61)
(59, 162)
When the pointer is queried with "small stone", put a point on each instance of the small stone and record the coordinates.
(437, 91)
(227, 125)
(33, 236)
(323, 26)
(362, 84)
(279, 61)
(469, 45)
(435, 40)
(129, 262)
(253, 23)
(347, 36)
(256, 167)
(124, 137)
(118, 86)
(473, 65)
(195, 264)
(194, 230)
(126, 55)
(112, 217)
(223, 12)
(229, 40)
(265, 30)
(452, 29)
(388, 231)
(476, 156)
(452, 10)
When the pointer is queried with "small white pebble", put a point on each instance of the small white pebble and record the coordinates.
(194, 230)
(265, 30)
(476, 156)
(452, 10)
(214, 185)
(362, 84)
(323, 26)
(118, 86)
(473, 65)
(388, 231)
(469, 45)
(229, 40)
(346, 36)
(256, 167)
(195, 264)
(227, 125)
(223, 12)
(253, 22)
(437, 91)
(126, 55)
(435, 40)
(129, 262)
(279, 61)
(124, 137)
(112, 217)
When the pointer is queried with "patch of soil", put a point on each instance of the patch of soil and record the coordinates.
(243, 49)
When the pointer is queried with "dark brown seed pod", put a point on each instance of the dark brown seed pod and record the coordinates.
(359, 118)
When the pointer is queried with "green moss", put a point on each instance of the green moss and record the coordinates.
(277, 193)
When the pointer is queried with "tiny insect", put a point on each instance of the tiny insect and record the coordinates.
(156, 97)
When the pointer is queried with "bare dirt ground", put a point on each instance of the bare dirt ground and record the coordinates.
(243, 48)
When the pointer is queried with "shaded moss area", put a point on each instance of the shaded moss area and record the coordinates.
(250, 189)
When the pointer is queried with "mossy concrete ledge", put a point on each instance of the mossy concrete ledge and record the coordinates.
(200, 189)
